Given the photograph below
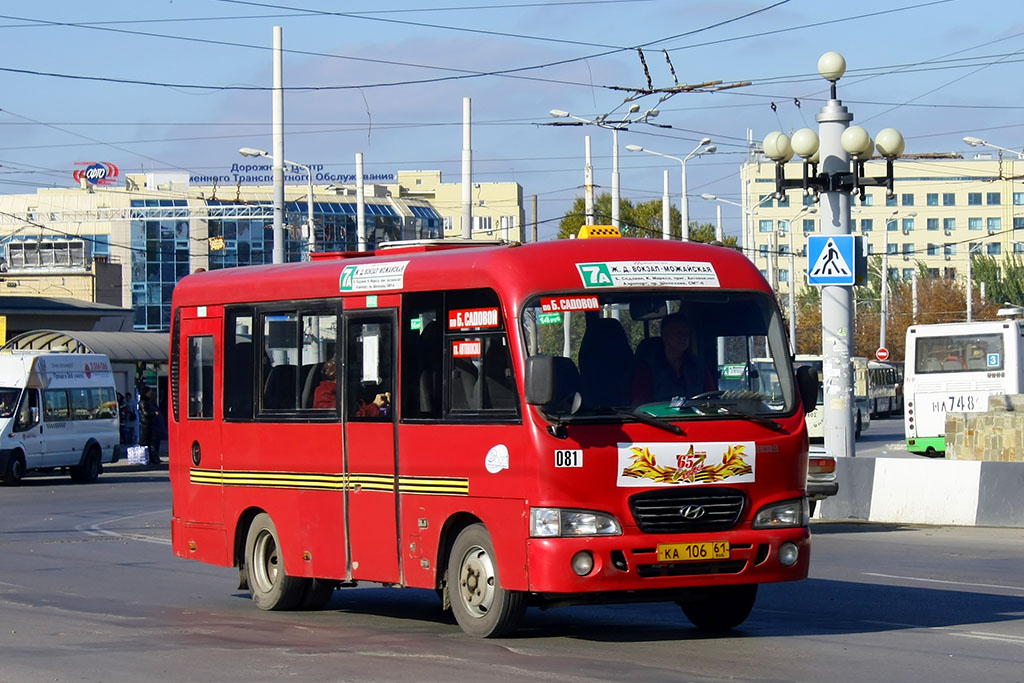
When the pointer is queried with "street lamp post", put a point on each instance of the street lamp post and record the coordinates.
(884, 279)
(978, 142)
(835, 143)
(748, 216)
(703, 147)
(310, 233)
(615, 126)
(792, 278)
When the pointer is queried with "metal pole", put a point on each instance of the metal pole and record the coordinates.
(360, 205)
(792, 294)
(615, 178)
(970, 286)
(666, 213)
(533, 201)
(309, 212)
(684, 207)
(836, 300)
(467, 172)
(719, 230)
(278, 165)
(884, 286)
(913, 294)
(588, 185)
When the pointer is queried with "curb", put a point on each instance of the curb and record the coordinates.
(918, 491)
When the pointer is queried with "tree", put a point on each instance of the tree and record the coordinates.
(1003, 280)
(636, 220)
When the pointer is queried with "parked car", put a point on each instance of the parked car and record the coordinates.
(822, 481)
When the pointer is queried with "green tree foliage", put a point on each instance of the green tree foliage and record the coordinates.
(643, 219)
(1003, 278)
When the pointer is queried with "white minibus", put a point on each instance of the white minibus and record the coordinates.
(57, 410)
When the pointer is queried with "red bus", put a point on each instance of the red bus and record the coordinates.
(509, 425)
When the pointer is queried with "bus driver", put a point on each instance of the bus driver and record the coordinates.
(673, 370)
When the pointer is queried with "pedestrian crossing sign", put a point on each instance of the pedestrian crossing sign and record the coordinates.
(831, 260)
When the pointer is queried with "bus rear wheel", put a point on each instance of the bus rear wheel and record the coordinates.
(15, 470)
(720, 608)
(481, 606)
(270, 586)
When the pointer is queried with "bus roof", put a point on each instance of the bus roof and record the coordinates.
(516, 270)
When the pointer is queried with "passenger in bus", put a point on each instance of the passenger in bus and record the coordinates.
(325, 396)
(378, 407)
(671, 368)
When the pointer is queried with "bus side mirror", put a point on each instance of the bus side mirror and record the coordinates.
(553, 383)
(807, 383)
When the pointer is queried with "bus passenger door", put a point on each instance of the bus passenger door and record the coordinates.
(369, 445)
(197, 461)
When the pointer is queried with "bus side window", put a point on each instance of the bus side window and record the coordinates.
(239, 373)
(422, 355)
(369, 382)
(200, 377)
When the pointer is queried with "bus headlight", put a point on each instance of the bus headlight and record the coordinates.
(789, 513)
(554, 522)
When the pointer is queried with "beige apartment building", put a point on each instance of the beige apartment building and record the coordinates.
(944, 207)
(129, 244)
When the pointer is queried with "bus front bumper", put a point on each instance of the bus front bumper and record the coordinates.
(630, 562)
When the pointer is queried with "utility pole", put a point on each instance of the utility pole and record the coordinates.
(278, 164)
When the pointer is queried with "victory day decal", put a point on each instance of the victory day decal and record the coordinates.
(686, 464)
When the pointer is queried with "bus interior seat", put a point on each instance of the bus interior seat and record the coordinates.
(499, 387)
(606, 363)
(311, 378)
(429, 350)
(464, 385)
(952, 365)
(279, 390)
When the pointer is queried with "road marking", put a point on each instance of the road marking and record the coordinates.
(98, 530)
(1019, 589)
(981, 635)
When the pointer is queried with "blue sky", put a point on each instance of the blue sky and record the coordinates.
(182, 84)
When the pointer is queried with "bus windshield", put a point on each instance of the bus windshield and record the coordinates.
(669, 354)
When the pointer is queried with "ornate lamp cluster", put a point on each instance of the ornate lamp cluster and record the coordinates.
(856, 141)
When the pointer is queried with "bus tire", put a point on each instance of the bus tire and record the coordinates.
(720, 608)
(318, 593)
(88, 471)
(482, 608)
(15, 470)
(271, 588)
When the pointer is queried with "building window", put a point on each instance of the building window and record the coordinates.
(764, 200)
(993, 248)
(908, 273)
(809, 200)
(867, 224)
(973, 199)
(894, 273)
(949, 224)
(892, 249)
(765, 225)
(908, 224)
(783, 275)
(933, 273)
(1018, 198)
(932, 199)
(1018, 222)
(784, 202)
(891, 225)
(1018, 247)
(890, 201)
(763, 250)
(949, 273)
(869, 200)
(933, 249)
(949, 250)
(974, 223)
(808, 225)
(908, 249)
(101, 245)
(933, 223)
(994, 223)
(907, 199)
(783, 227)
(948, 199)
(992, 199)
(871, 249)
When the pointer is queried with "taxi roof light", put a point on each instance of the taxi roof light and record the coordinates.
(588, 231)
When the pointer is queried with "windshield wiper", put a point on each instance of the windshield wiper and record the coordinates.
(721, 409)
(651, 420)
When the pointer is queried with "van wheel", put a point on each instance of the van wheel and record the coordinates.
(15, 470)
(481, 606)
(270, 587)
(89, 471)
(720, 608)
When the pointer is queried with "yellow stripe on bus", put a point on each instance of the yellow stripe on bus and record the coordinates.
(332, 482)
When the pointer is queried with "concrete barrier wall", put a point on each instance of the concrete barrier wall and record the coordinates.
(921, 491)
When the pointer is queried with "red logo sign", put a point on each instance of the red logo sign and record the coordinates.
(95, 172)
(882, 353)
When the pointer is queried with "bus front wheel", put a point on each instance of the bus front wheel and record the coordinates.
(481, 606)
(270, 586)
(720, 608)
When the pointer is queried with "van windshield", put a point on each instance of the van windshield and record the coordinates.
(8, 400)
(669, 354)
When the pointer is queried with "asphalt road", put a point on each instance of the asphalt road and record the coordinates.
(90, 591)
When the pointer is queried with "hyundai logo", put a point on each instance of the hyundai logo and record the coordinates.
(692, 512)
